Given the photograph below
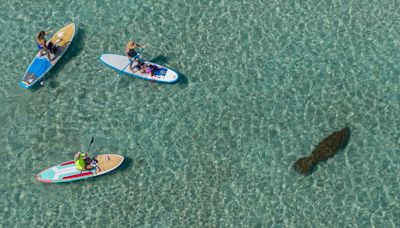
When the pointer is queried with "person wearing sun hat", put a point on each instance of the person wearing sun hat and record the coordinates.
(131, 52)
(130, 48)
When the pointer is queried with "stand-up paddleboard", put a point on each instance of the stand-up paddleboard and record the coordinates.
(67, 171)
(41, 64)
(121, 64)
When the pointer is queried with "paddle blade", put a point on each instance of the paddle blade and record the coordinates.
(115, 79)
(91, 142)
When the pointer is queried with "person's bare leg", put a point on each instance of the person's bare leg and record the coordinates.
(49, 55)
(89, 167)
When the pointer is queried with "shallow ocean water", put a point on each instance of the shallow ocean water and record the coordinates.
(262, 83)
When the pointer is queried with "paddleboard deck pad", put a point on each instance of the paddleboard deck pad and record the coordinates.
(41, 64)
(121, 64)
(67, 171)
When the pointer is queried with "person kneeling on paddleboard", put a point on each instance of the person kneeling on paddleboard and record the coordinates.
(140, 64)
(84, 162)
(131, 52)
(42, 44)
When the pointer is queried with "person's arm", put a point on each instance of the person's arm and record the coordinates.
(76, 157)
(48, 32)
(44, 45)
(126, 51)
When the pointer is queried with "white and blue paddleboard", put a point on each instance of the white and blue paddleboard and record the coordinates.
(120, 63)
(41, 64)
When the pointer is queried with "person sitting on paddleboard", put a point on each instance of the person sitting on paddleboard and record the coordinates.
(131, 52)
(84, 162)
(42, 44)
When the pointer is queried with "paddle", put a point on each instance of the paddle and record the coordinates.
(119, 73)
(95, 164)
(91, 142)
(130, 61)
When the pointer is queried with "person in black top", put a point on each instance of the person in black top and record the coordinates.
(131, 52)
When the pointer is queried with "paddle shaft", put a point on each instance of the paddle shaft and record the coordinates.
(130, 61)
(122, 71)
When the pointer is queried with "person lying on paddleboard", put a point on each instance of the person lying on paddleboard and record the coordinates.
(131, 52)
(84, 162)
(42, 44)
(149, 69)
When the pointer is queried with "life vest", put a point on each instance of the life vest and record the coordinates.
(80, 163)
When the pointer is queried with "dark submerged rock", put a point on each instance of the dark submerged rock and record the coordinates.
(325, 149)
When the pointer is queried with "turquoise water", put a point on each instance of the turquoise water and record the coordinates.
(262, 83)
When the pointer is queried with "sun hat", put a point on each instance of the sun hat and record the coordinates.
(131, 45)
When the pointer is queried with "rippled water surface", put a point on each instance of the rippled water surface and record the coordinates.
(262, 83)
